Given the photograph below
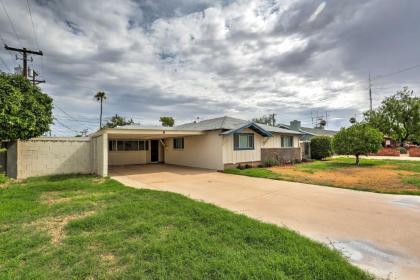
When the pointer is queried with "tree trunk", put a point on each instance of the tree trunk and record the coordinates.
(100, 117)
(357, 160)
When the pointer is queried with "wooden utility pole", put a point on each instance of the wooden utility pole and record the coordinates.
(370, 93)
(34, 80)
(25, 53)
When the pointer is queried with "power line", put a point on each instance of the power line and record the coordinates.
(33, 25)
(65, 126)
(71, 117)
(34, 32)
(4, 43)
(396, 72)
(4, 63)
(80, 121)
(11, 22)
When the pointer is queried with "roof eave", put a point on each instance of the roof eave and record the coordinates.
(252, 126)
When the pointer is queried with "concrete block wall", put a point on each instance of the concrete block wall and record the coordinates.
(52, 156)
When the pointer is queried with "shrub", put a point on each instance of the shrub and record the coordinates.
(3, 178)
(247, 166)
(403, 150)
(321, 147)
(240, 166)
(271, 162)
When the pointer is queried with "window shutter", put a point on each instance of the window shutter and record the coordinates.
(291, 142)
(236, 141)
(282, 141)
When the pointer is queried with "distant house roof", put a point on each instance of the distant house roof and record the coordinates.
(229, 123)
(312, 131)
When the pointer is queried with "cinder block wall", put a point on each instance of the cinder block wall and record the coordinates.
(53, 156)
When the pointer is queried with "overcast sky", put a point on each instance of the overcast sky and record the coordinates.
(208, 58)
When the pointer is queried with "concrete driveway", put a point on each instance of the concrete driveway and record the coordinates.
(378, 232)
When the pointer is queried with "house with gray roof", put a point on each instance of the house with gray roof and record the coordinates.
(216, 144)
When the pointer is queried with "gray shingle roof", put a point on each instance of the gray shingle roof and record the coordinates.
(313, 131)
(222, 123)
(229, 123)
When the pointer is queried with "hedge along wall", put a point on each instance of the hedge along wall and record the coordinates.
(414, 152)
(388, 152)
(50, 156)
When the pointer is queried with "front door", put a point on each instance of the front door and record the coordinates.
(154, 150)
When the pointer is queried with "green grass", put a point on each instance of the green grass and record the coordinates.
(256, 172)
(343, 162)
(3, 178)
(412, 179)
(145, 234)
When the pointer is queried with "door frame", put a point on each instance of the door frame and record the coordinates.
(157, 150)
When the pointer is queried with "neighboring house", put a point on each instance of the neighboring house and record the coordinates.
(214, 144)
(307, 134)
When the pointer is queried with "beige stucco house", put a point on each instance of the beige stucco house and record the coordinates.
(214, 144)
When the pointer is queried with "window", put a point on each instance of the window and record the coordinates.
(179, 143)
(129, 145)
(287, 141)
(120, 145)
(243, 141)
(111, 145)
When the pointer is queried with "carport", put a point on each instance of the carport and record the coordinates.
(134, 145)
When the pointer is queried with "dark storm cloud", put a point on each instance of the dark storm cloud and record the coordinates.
(189, 58)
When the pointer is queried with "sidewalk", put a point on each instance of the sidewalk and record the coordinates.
(401, 157)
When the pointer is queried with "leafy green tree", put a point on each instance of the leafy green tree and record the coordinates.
(358, 139)
(25, 111)
(321, 147)
(100, 96)
(398, 116)
(118, 121)
(266, 119)
(167, 121)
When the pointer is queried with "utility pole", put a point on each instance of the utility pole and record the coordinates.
(370, 93)
(34, 80)
(25, 53)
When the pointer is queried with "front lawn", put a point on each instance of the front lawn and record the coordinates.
(384, 176)
(82, 227)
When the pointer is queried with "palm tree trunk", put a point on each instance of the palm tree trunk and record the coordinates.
(100, 117)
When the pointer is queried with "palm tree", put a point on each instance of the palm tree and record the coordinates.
(100, 96)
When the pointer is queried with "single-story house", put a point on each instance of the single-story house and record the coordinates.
(214, 144)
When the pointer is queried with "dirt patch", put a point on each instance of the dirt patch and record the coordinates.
(60, 197)
(54, 197)
(55, 225)
(98, 180)
(384, 178)
(108, 257)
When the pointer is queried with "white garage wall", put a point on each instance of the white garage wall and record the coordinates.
(204, 151)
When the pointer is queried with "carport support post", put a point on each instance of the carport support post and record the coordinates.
(105, 155)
